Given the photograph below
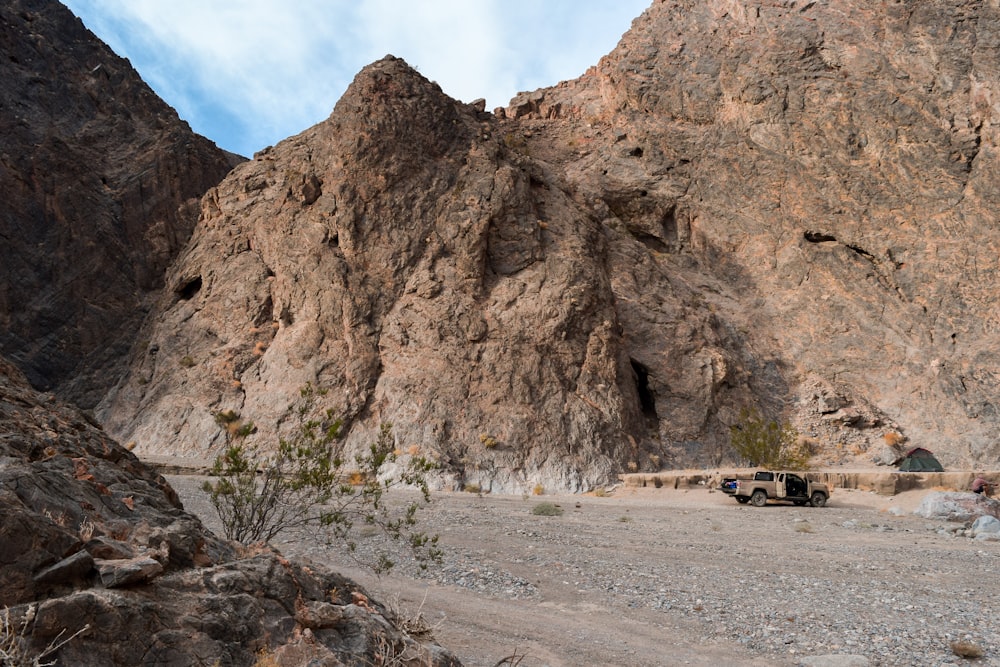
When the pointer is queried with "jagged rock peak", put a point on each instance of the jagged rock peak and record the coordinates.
(403, 258)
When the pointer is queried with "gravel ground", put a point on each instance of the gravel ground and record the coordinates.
(665, 577)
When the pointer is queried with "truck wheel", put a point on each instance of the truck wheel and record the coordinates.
(818, 499)
(742, 500)
(759, 498)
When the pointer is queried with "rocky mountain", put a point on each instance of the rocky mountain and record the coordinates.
(92, 541)
(782, 205)
(100, 183)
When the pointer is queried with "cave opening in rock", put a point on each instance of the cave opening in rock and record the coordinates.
(647, 402)
(189, 289)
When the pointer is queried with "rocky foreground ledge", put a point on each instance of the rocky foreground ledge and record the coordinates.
(93, 543)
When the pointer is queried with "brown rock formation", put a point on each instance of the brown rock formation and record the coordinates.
(787, 205)
(90, 536)
(399, 257)
(100, 182)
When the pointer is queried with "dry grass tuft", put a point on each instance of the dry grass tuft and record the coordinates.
(965, 649)
(265, 659)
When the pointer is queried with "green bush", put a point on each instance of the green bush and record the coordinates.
(765, 442)
(307, 482)
(547, 509)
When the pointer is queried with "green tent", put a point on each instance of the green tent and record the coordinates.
(919, 459)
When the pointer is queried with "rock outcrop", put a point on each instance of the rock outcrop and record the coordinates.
(784, 205)
(819, 175)
(100, 182)
(92, 540)
(399, 258)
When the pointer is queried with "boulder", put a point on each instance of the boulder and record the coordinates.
(957, 506)
(985, 527)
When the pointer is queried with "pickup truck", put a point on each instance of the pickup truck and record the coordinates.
(776, 485)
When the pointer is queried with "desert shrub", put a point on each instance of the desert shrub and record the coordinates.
(309, 481)
(538, 490)
(765, 442)
(964, 648)
(547, 509)
(893, 439)
(472, 487)
(187, 361)
(489, 442)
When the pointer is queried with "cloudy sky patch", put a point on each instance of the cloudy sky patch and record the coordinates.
(248, 74)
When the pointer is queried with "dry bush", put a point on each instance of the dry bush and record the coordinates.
(965, 649)
(265, 659)
(86, 530)
(412, 624)
(472, 487)
(547, 509)
(302, 484)
(539, 490)
(892, 438)
(15, 641)
(803, 527)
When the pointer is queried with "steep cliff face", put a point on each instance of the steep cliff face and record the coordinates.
(832, 167)
(100, 183)
(782, 205)
(400, 258)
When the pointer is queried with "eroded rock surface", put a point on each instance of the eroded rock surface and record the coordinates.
(100, 182)
(782, 205)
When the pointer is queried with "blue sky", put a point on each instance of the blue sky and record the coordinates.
(250, 73)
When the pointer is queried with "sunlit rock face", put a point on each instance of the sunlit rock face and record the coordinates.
(775, 206)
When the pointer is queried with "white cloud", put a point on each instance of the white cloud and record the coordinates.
(248, 74)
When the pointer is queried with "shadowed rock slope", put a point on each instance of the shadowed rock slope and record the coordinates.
(100, 183)
(91, 536)
(782, 205)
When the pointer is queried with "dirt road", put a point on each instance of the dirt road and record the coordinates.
(667, 577)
